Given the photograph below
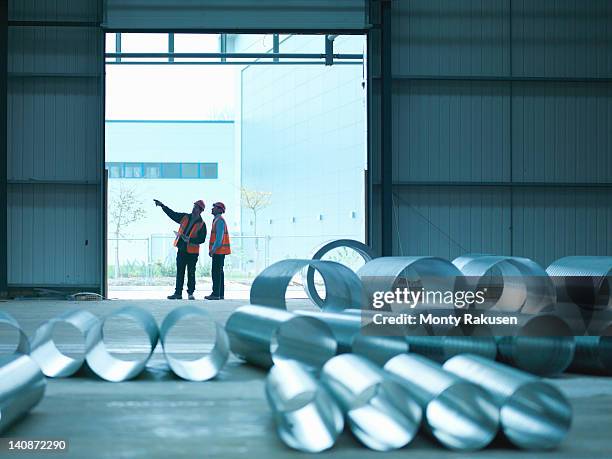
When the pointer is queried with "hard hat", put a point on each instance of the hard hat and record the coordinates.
(220, 205)
(200, 204)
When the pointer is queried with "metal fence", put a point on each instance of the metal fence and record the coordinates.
(145, 259)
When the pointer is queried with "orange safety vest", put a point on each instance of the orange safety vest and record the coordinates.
(191, 248)
(224, 248)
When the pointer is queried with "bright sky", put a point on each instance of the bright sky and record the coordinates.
(169, 92)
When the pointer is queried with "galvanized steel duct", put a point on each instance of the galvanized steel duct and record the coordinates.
(543, 345)
(380, 412)
(584, 281)
(533, 414)
(23, 345)
(593, 354)
(53, 362)
(343, 326)
(363, 250)
(22, 386)
(343, 289)
(379, 349)
(307, 417)
(386, 274)
(458, 413)
(442, 348)
(113, 369)
(265, 336)
(202, 368)
(524, 286)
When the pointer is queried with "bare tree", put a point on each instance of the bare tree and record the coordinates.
(255, 201)
(125, 209)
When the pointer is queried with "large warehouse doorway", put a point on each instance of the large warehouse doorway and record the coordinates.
(272, 125)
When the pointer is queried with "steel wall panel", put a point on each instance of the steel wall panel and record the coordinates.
(451, 221)
(451, 37)
(54, 50)
(562, 132)
(553, 223)
(58, 10)
(54, 234)
(236, 14)
(452, 131)
(54, 129)
(55, 122)
(562, 38)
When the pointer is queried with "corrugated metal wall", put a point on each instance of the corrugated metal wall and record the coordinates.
(54, 163)
(502, 127)
(236, 15)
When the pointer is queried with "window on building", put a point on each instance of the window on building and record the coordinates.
(189, 170)
(163, 170)
(132, 170)
(152, 171)
(171, 170)
(209, 170)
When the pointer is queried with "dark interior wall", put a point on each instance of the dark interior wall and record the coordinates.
(501, 128)
(3, 146)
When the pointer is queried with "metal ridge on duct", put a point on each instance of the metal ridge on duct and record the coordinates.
(343, 290)
(205, 367)
(53, 362)
(380, 412)
(307, 417)
(584, 281)
(23, 346)
(459, 414)
(533, 413)
(22, 386)
(523, 284)
(103, 363)
(362, 249)
(265, 336)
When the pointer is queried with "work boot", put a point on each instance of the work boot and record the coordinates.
(212, 297)
(190, 296)
(175, 296)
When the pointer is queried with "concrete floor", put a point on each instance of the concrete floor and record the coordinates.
(158, 415)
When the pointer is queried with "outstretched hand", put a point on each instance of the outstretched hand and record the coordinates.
(158, 203)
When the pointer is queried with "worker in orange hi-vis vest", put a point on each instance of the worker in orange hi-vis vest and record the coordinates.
(191, 233)
(218, 247)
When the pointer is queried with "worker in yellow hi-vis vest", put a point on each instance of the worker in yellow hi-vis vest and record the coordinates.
(218, 248)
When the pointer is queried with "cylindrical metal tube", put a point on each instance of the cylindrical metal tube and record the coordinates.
(379, 349)
(22, 386)
(264, 336)
(111, 368)
(202, 368)
(458, 413)
(426, 274)
(52, 361)
(307, 417)
(593, 354)
(380, 412)
(23, 344)
(343, 326)
(585, 281)
(343, 288)
(363, 250)
(533, 414)
(543, 346)
(511, 283)
(442, 348)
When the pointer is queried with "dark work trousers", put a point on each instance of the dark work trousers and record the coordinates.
(185, 260)
(218, 277)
